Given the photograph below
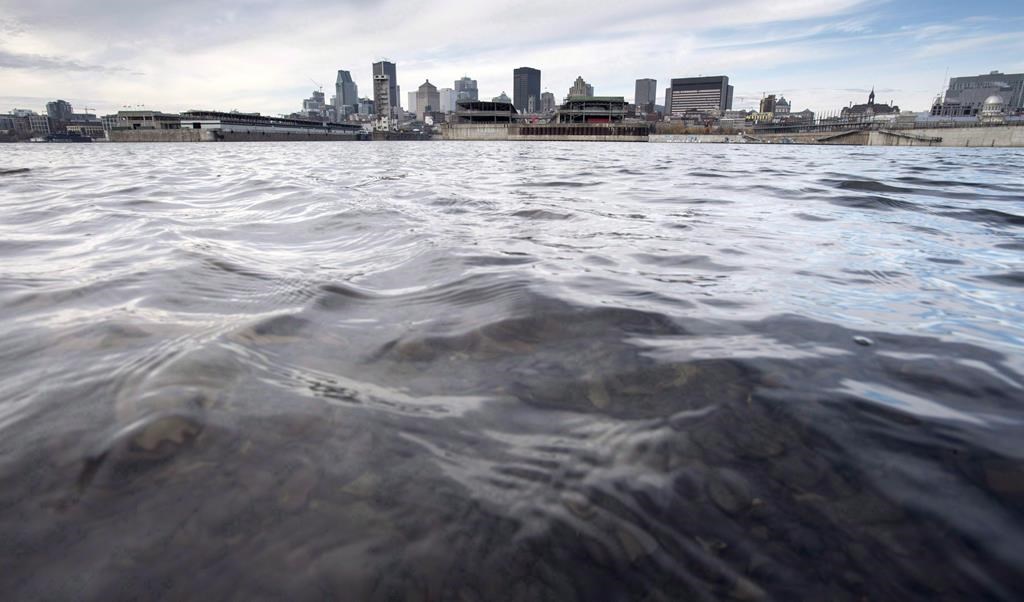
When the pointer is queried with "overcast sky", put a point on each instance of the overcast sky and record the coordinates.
(258, 55)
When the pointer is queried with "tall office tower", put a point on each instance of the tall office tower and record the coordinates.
(581, 88)
(767, 104)
(412, 102)
(448, 100)
(465, 89)
(646, 93)
(525, 84)
(346, 95)
(389, 69)
(547, 102)
(699, 94)
(427, 99)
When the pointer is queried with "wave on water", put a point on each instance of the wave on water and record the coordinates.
(510, 372)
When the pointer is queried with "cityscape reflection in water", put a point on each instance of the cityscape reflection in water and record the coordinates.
(511, 371)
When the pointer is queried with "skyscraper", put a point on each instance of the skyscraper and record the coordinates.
(448, 99)
(411, 107)
(581, 88)
(346, 95)
(646, 93)
(547, 102)
(525, 84)
(465, 89)
(427, 99)
(391, 70)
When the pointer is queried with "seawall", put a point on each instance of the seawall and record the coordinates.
(991, 136)
(1005, 136)
(160, 135)
(192, 135)
(475, 131)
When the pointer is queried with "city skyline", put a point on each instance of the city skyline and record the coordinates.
(820, 56)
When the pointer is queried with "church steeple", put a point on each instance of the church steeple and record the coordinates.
(871, 97)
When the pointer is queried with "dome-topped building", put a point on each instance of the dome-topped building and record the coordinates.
(993, 109)
(993, 103)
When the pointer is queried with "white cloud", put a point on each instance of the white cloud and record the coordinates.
(260, 54)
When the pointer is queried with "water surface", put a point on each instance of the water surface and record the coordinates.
(461, 371)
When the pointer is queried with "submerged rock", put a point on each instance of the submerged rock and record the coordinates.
(729, 491)
(150, 439)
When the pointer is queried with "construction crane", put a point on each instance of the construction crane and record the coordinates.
(317, 84)
(87, 109)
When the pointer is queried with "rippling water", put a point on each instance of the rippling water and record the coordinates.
(434, 371)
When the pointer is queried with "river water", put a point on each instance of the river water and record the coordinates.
(489, 371)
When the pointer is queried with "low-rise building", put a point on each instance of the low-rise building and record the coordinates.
(84, 125)
(993, 111)
(592, 109)
(805, 117)
(481, 111)
(967, 96)
(30, 123)
(109, 122)
(254, 123)
(782, 107)
(868, 110)
(147, 120)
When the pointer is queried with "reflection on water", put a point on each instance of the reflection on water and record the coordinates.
(511, 372)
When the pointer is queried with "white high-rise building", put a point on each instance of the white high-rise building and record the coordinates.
(412, 103)
(448, 98)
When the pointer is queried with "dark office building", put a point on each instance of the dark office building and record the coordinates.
(389, 69)
(526, 85)
(690, 94)
(465, 89)
(646, 95)
(59, 110)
